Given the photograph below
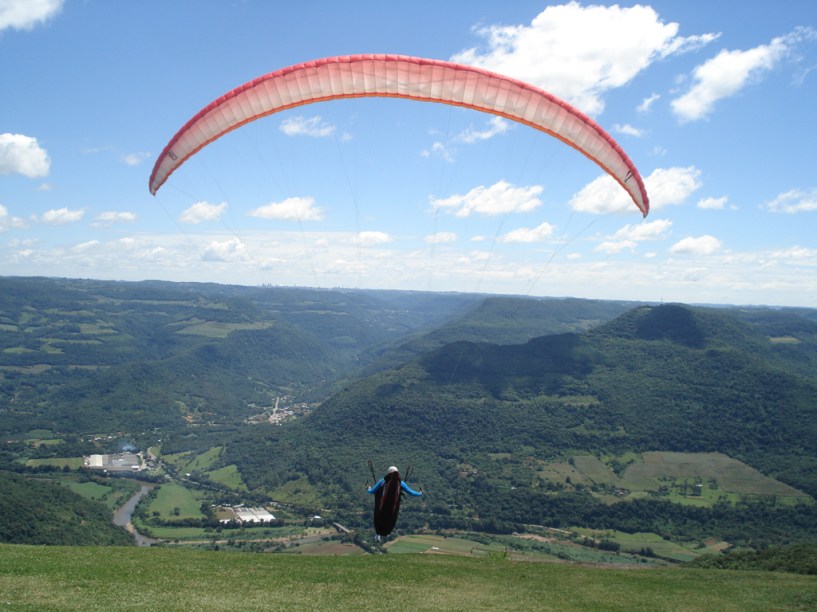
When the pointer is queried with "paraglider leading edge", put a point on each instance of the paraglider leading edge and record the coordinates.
(399, 76)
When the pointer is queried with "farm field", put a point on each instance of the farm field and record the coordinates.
(173, 501)
(697, 479)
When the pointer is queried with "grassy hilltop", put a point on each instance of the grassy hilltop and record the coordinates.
(115, 578)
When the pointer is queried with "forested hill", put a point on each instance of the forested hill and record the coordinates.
(82, 356)
(507, 320)
(670, 378)
(34, 511)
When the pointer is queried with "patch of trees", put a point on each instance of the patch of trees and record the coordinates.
(34, 511)
(796, 558)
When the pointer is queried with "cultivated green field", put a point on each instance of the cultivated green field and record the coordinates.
(175, 501)
(695, 479)
(110, 578)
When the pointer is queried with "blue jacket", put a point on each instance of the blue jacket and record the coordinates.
(403, 485)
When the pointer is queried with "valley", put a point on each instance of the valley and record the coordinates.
(564, 430)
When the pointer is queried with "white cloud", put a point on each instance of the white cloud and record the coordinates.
(8, 221)
(228, 250)
(500, 198)
(496, 126)
(438, 149)
(649, 230)
(628, 237)
(628, 130)
(441, 238)
(371, 238)
(108, 218)
(612, 247)
(671, 186)
(61, 216)
(703, 245)
(647, 103)
(712, 203)
(794, 201)
(79, 248)
(730, 71)
(797, 254)
(528, 234)
(291, 209)
(580, 52)
(26, 14)
(21, 154)
(203, 211)
(134, 159)
(665, 187)
(301, 126)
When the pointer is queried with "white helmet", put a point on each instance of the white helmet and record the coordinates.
(392, 470)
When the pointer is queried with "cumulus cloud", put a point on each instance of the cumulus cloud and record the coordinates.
(134, 159)
(60, 216)
(665, 186)
(649, 230)
(496, 126)
(8, 221)
(794, 201)
(227, 250)
(500, 198)
(26, 14)
(85, 246)
(371, 238)
(441, 238)
(712, 203)
(580, 52)
(528, 234)
(729, 72)
(314, 127)
(628, 130)
(291, 209)
(438, 149)
(203, 211)
(702, 245)
(646, 103)
(21, 154)
(447, 150)
(612, 247)
(628, 237)
(110, 217)
(797, 254)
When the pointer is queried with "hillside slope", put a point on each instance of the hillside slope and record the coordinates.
(86, 356)
(476, 418)
(162, 578)
(36, 511)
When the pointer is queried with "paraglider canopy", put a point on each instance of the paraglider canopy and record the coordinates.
(400, 76)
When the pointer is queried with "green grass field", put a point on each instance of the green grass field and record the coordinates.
(171, 496)
(73, 463)
(204, 460)
(229, 477)
(695, 479)
(100, 578)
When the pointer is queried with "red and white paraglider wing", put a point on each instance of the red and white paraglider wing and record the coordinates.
(400, 77)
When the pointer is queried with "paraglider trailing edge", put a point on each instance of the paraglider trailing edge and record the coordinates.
(398, 76)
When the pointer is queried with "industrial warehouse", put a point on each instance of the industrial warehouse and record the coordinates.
(246, 515)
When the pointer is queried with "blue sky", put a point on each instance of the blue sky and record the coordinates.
(713, 101)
